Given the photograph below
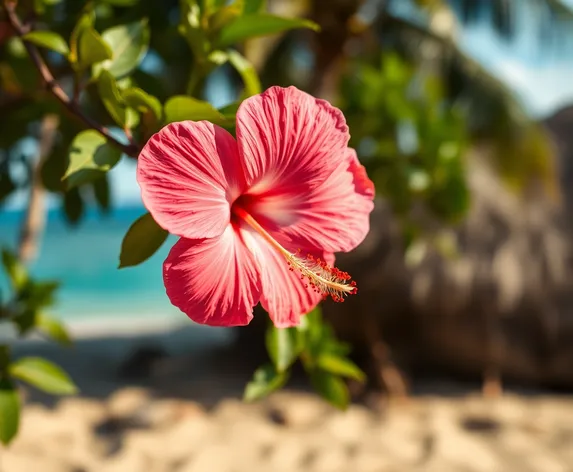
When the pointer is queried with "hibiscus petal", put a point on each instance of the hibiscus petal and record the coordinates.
(213, 281)
(285, 295)
(334, 216)
(189, 174)
(289, 139)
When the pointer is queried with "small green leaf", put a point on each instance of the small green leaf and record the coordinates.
(283, 346)
(9, 411)
(247, 73)
(210, 6)
(102, 192)
(191, 29)
(141, 241)
(129, 44)
(15, 269)
(181, 108)
(53, 328)
(85, 21)
(223, 16)
(265, 381)
(73, 206)
(330, 387)
(111, 98)
(48, 39)
(43, 375)
(340, 366)
(90, 155)
(141, 101)
(91, 48)
(259, 24)
(40, 294)
(25, 320)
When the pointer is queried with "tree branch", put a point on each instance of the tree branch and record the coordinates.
(131, 149)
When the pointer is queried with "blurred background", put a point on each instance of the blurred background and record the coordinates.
(461, 112)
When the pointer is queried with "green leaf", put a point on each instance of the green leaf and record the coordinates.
(265, 381)
(73, 206)
(15, 270)
(210, 6)
(43, 375)
(85, 21)
(141, 101)
(129, 44)
(253, 6)
(259, 24)
(330, 387)
(91, 48)
(283, 346)
(224, 16)
(191, 29)
(25, 320)
(9, 411)
(90, 156)
(141, 241)
(180, 108)
(53, 328)
(338, 365)
(110, 96)
(48, 39)
(40, 294)
(247, 73)
(102, 192)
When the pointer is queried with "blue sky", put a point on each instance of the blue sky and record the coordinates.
(542, 80)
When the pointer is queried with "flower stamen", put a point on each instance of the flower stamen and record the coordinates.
(321, 277)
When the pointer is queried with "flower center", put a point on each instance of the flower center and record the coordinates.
(322, 278)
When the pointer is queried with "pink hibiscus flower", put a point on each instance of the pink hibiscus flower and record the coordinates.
(246, 209)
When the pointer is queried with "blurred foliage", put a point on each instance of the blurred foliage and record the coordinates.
(410, 141)
(23, 311)
(116, 71)
(323, 357)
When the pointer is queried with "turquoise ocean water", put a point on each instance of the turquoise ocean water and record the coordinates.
(85, 259)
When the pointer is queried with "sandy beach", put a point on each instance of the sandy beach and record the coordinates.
(180, 411)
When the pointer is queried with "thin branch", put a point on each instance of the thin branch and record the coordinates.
(131, 149)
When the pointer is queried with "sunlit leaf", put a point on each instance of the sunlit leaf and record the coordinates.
(49, 40)
(338, 365)
(259, 24)
(9, 411)
(142, 240)
(247, 72)
(14, 269)
(90, 155)
(142, 101)
(53, 328)
(43, 375)
(283, 346)
(129, 44)
(180, 108)
(111, 97)
(91, 48)
(265, 381)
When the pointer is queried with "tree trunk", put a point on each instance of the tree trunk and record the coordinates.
(35, 219)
